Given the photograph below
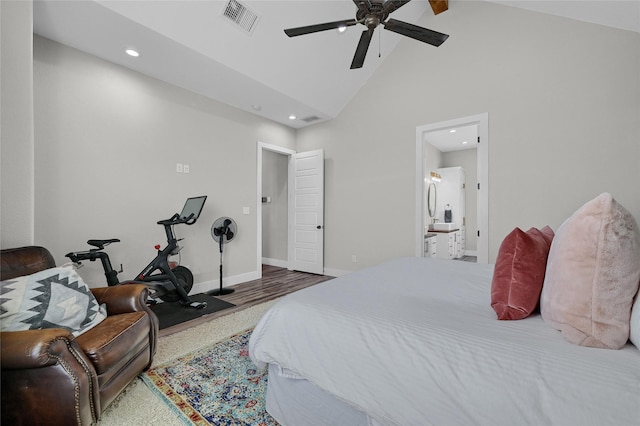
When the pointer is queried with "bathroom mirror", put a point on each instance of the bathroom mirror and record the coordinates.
(431, 199)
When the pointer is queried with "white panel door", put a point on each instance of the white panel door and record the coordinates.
(306, 212)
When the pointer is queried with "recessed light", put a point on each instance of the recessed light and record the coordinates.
(464, 142)
(132, 52)
(452, 131)
(292, 117)
(342, 28)
(256, 107)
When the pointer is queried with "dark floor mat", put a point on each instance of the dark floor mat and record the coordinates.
(174, 313)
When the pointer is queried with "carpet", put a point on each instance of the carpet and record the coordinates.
(173, 313)
(215, 385)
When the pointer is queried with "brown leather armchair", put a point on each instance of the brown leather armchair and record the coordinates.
(51, 377)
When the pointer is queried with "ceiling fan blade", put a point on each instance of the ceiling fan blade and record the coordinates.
(367, 3)
(361, 50)
(391, 5)
(415, 32)
(293, 32)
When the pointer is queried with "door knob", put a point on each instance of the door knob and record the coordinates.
(319, 227)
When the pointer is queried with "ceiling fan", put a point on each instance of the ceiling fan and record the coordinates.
(372, 13)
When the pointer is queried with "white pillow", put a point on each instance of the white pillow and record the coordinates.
(634, 330)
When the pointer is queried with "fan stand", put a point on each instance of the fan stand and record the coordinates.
(221, 291)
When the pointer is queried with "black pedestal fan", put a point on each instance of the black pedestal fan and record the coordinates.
(223, 230)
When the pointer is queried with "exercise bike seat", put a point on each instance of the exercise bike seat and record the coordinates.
(101, 243)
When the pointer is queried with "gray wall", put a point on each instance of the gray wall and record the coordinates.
(16, 144)
(107, 143)
(274, 213)
(563, 99)
(563, 106)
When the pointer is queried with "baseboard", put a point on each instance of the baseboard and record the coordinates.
(335, 272)
(206, 286)
(275, 262)
(284, 264)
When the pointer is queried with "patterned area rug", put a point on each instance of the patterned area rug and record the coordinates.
(216, 385)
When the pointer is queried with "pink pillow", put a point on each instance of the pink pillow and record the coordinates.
(634, 331)
(593, 273)
(519, 272)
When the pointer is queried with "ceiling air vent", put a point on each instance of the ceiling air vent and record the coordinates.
(310, 118)
(240, 15)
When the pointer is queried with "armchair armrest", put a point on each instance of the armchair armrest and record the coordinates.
(34, 348)
(47, 379)
(121, 299)
(129, 297)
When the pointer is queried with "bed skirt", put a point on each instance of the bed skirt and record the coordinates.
(298, 402)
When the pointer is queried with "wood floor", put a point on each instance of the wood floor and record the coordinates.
(275, 282)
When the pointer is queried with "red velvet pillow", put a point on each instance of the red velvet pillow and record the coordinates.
(519, 272)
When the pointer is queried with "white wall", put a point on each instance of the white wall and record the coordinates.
(16, 127)
(563, 99)
(107, 141)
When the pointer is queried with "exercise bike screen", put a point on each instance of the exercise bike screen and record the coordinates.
(193, 205)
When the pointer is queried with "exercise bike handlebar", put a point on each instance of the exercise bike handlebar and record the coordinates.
(176, 220)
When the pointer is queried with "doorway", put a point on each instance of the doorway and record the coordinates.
(275, 205)
(451, 155)
(476, 125)
(303, 207)
(272, 160)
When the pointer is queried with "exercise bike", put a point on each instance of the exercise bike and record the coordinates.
(166, 281)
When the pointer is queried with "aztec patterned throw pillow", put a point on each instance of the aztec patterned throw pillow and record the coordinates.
(53, 298)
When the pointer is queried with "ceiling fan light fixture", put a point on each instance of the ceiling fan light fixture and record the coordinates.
(292, 117)
(371, 21)
(132, 52)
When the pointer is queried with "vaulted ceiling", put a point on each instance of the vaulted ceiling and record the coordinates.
(251, 64)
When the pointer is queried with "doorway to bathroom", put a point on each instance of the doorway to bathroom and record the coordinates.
(451, 148)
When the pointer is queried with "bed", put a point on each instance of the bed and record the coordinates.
(414, 341)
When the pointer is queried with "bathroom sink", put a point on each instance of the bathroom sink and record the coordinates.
(443, 226)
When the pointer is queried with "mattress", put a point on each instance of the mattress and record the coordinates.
(415, 341)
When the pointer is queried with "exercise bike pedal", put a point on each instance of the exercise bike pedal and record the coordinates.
(195, 305)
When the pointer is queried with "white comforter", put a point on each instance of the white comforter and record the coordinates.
(414, 342)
